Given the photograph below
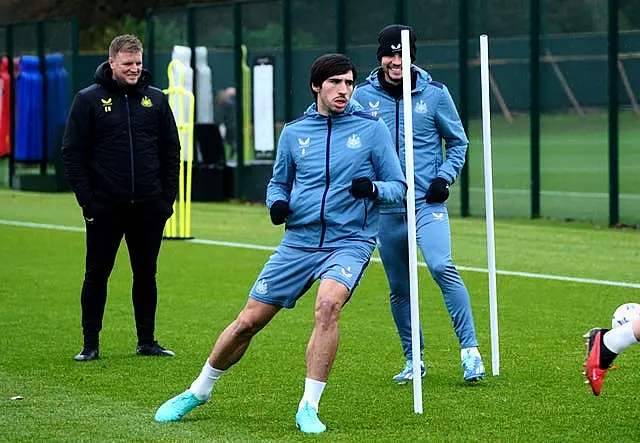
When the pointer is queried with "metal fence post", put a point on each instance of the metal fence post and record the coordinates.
(614, 154)
(43, 72)
(534, 106)
(286, 59)
(75, 43)
(191, 42)
(341, 34)
(150, 50)
(463, 105)
(400, 12)
(12, 114)
(237, 48)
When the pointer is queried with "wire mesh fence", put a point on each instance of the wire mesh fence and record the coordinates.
(573, 95)
(554, 153)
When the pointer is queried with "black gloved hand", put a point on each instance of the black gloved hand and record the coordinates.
(279, 211)
(95, 209)
(438, 191)
(165, 208)
(362, 187)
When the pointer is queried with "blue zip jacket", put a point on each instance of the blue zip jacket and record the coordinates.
(318, 157)
(434, 118)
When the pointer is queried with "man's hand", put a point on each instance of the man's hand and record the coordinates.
(95, 209)
(362, 187)
(438, 191)
(279, 211)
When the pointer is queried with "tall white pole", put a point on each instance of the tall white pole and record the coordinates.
(488, 196)
(411, 221)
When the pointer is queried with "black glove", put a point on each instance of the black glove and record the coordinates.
(279, 211)
(165, 208)
(362, 187)
(438, 192)
(95, 209)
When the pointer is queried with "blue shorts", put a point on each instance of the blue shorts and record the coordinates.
(290, 272)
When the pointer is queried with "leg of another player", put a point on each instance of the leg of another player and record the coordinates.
(603, 346)
(321, 352)
(394, 252)
(227, 351)
(103, 240)
(618, 339)
(434, 239)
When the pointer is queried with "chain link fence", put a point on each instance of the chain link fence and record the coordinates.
(556, 163)
(565, 113)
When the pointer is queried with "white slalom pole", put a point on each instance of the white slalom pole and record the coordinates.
(411, 221)
(488, 195)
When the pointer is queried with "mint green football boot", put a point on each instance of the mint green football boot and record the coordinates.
(308, 422)
(177, 407)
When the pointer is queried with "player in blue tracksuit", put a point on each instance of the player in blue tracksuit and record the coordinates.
(434, 119)
(333, 167)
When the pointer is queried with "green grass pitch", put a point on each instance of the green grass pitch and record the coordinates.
(538, 396)
(574, 167)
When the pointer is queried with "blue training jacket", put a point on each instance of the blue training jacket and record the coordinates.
(318, 157)
(434, 118)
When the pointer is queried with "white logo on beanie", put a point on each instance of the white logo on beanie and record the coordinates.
(396, 48)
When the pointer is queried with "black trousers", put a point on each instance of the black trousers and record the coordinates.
(141, 225)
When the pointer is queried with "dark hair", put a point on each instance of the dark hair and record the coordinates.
(327, 66)
(124, 43)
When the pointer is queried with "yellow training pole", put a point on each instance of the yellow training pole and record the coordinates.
(246, 107)
(179, 225)
(187, 214)
(182, 149)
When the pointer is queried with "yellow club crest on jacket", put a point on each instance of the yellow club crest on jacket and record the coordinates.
(106, 104)
(146, 102)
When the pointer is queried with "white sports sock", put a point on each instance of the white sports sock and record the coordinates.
(620, 338)
(473, 351)
(202, 386)
(312, 393)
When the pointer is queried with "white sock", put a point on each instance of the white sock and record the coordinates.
(312, 393)
(473, 351)
(620, 338)
(202, 386)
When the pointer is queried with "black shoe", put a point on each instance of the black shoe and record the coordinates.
(154, 349)
(87, 354)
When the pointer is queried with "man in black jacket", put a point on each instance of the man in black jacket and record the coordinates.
(121, 153)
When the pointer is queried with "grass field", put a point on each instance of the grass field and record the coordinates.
(574, 167)
(544, 308)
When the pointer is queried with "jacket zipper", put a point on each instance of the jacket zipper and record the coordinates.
(366, 214)
(126, 99)
(326, 188)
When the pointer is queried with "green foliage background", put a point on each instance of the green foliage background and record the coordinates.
(102, 19)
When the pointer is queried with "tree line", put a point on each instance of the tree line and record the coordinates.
(99, 20)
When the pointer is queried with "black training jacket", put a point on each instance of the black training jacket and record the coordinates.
(121, 143)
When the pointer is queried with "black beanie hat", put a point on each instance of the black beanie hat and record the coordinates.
(389, 41)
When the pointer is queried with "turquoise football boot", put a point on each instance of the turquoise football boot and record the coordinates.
(177, 407)
(308, 422)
